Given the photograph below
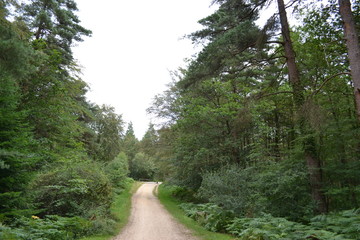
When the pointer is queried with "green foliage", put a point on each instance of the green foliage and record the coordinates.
(337, 226)
(49, 94)
(120, 212)
(130, 144)
(271, 228)
(148, 143)
(47, 126)
(165, 195)
(80, 189)
(342, 225)
(232, 137)
(346, 223)
(117, 170)
(183, 194)
(275, 188)
(16, 142)
(55, 22)
(242, 136)
(142, 167)
(109, 128)
(53, 92)
(230, 187)
(211, 216)
(49, 228)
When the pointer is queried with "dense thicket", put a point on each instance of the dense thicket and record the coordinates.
(263, 119)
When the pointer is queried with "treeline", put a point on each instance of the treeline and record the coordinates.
(265, 120)
(62, 158)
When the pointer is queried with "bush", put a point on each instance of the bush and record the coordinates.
(142, 167)
(278, 189)
(272, 228)
(229, 187)
(211, 216)
(283, 190)
(183, 194)
(49, 228)
(103, 225)
(117, 170)
(336, 226)
(78, 190)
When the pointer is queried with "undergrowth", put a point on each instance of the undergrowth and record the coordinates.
(166, 197)
(54, 227)
(48, 228)
(343, 225)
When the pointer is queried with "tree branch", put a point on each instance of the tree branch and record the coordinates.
(272, 94)
(327, 80)
(277, 42)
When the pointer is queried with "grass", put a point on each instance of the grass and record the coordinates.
(172, 205)
(120, 209)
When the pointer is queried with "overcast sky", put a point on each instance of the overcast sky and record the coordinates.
(134, 46)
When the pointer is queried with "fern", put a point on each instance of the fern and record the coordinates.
(346, 223)
(49, 228)
(336, 226)
(211, 216)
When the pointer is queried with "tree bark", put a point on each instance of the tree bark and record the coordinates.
(352, 44)
(312, 161)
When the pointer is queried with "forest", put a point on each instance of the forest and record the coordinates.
(259, 134)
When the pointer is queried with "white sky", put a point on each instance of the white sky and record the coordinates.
(134, 46)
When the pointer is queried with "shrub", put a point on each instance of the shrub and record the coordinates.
(211, 216)
(78, 190)
(184, 194)
(142, 167)
(272, 228)
(117, 170)
(49, 228)
(278, 189)
(103, 225)
(344, 225)
(283, 190)
(229, 187)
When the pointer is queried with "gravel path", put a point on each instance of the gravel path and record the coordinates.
(150, 221)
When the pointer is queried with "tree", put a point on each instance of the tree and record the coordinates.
(142, 167)
(108, 127)
(148, 143)
(249, 37)
(251, 98)
(47, 126)
(130, 144)
(54, 93)
(118, 170)
(324, 67)
(352, 43)
(313, 163)
(17, 145)
(55, 22)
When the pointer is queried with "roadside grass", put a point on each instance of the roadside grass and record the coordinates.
(120, 209)
(172, 205)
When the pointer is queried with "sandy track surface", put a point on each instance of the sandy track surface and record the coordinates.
(150, 221)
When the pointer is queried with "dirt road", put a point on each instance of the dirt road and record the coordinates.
(150, 221)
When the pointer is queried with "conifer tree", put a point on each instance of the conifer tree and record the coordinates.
(16, 142)
(352, 43)
(56, 23)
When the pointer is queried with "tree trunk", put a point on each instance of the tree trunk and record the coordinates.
(352, 44)
(277, 134)
(312, 161)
